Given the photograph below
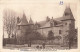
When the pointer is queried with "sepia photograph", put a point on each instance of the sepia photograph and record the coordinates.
(39, 25)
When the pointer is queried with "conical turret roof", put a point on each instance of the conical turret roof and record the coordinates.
(23, 20)
(68, 14)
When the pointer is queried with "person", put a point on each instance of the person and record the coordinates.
(29, 44)
(37, 46)
(43, 45)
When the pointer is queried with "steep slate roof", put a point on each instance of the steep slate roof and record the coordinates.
(69, 16)
(23, 20)
(47, 23)
(42, 23)
(57, 20)
(68, 10)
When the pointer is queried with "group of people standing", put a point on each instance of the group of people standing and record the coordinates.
(41, 47)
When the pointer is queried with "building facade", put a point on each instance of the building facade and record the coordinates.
(62, 26)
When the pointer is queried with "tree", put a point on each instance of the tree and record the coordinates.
(34, 35)
(31, 35)
(50, 35)
(10, 22)
(71, 35)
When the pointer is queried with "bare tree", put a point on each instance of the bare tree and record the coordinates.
(10, 22)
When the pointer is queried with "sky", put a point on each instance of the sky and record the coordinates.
(38, 10)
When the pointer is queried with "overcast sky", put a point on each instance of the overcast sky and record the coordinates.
(39, 9)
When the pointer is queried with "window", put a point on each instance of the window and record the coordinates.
(59, 31)
(18, 27)
(65, 23)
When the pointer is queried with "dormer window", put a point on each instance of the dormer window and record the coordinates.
(66, 14)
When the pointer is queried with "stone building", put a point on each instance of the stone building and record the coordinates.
(61, 26)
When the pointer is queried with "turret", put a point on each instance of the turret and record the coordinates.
(68, 18)
(68, 14)
(23, 20)
(31, 24)
(31, 21)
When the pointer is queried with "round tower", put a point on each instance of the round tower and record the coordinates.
(68, 24)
